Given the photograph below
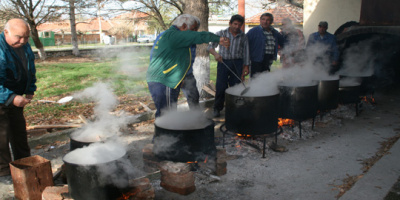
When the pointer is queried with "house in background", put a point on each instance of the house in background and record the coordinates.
(280, 12)
(122, 27)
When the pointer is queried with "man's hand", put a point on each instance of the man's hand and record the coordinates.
(29, 96)
(224, 41)
(218, 57)
(20, 101)
(245, 72)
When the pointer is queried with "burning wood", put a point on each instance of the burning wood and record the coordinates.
(285, 122)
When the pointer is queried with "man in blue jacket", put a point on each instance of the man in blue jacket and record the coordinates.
(331, 54)
(264, 42)
(17, 87)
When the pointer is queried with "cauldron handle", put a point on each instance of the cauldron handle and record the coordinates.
(239, 101)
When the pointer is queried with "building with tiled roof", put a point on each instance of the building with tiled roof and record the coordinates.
(280, 12)
(88, 31)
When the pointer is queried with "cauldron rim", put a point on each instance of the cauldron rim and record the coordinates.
(298, 86)
(355, 75)
(210, 123)
(326, 79)
(350, 85)
(93, 164)
(72, 138)
(228, 91)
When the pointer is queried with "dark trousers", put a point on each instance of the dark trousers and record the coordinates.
(265, 65)
(226, 79)
(164, 97)
(12, 131)
(189, 89)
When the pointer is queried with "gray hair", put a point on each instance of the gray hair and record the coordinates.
(197, 21)
(7, 25)
(187, 19)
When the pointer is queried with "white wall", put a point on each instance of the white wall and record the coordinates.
(335, 12)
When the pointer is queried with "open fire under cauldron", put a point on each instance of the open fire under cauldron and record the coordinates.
(251, 115)
(184, 144)
(96, 180)
(298, 102)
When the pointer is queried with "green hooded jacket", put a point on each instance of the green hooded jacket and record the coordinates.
(171, 55)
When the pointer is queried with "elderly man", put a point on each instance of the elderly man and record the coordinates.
(236, 58)
(264, 41)
(331, 54)
(17, 86)
(171, 60)
(189, 84)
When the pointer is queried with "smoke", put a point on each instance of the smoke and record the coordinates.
(187, 120)
(349, 81)
(96, 153)
(131, 64)
(103, 94)
(358, 59)
(105, 125)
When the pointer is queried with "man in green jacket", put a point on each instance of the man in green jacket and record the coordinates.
(171, 60)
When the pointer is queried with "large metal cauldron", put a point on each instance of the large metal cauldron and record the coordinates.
(75, 144)
(298, 102)
(328, 94)
(366, 82)
(349, 93)
(184, 145)
(100, 181)
(251, 115)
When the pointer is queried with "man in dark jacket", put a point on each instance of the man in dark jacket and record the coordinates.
(264, 41)
(17, 87)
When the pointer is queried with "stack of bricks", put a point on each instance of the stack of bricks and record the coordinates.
(220, 168)
(150, 161)
(177, 177)
(56, 193)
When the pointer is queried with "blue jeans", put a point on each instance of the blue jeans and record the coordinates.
(226, 79)
(164, 98)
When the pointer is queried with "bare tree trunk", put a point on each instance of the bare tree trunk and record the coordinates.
(74, 39)
(201, 66)
(99, 16)
(38, 43)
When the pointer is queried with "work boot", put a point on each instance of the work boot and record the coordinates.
(216, 113)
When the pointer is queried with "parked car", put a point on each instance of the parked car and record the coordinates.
(146, 39)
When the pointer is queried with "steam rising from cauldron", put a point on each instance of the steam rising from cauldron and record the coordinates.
(358, 59)
(187, 120)
(105, 125)
(313, 66)
(96, 153)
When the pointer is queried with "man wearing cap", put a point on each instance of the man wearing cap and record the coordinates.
(326, 38)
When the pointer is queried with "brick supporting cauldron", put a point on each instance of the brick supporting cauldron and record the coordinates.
(177, 177)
